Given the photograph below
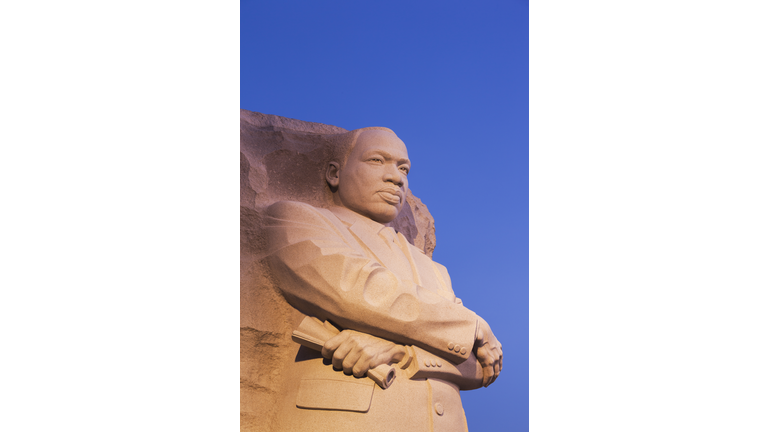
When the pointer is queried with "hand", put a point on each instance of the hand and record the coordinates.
(488, 352)
(355, 353)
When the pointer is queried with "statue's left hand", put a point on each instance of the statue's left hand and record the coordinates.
(355, 353)
(488, 352)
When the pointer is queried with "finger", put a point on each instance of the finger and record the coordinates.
(333, 344)
(352, 350)
(494, 365)
(361, 367)
(340, 354)
(492, 373)
(350, 360)
(487, 374)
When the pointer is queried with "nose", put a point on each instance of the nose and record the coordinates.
(392, 174)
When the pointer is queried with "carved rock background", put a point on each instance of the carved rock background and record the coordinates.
(284, 159)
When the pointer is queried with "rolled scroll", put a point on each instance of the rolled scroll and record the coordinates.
(313, 334)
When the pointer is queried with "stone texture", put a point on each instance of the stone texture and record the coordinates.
(284, 159)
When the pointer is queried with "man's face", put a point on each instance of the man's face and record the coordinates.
(374, 180)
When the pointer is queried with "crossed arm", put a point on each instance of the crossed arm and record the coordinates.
(323, 272)
(355, 353)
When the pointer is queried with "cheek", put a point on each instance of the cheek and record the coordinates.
(356, 189)
(363, 180)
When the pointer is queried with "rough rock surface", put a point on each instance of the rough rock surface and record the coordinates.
(284, 159)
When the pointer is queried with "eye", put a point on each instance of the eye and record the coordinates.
(376, 159)
(404, 169)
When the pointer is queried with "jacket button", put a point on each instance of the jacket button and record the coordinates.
(463, 350)
(450, 345)
(439, 364)
(439, 408)
(426, 363)
(457, 348)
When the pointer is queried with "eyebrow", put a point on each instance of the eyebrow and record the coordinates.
(386, 155)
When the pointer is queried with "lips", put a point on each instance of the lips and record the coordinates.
(391, 195)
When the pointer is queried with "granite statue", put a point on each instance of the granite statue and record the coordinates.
(366, 331)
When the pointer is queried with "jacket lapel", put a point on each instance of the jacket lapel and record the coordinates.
(407, 251)
(376, 245)
(366, 233)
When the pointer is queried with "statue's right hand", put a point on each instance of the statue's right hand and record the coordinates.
(355, 353)
(488, 352)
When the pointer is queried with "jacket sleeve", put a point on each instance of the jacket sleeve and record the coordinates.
(322, 274)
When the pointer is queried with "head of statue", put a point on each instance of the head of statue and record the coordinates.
(370, 174)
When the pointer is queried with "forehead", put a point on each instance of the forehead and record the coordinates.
(380, 140)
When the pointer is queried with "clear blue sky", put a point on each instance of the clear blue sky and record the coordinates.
(451, 79)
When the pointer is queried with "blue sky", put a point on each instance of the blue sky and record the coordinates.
(452, 81)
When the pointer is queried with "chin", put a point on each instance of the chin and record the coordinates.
(385, 216)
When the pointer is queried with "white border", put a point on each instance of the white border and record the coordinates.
(119, 281)
(649, 232)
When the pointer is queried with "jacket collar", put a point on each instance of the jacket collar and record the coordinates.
(351, 218)
(367, 232)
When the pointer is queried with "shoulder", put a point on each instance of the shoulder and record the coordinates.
(297, 211)
(293, 213)
(416, 252)
(291, 222)
(290, 208)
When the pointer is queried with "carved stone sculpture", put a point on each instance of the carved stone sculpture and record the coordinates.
(346, 322)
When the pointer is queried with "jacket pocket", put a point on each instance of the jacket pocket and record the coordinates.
(335, 394)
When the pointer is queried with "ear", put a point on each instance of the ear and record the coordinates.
(332, 174)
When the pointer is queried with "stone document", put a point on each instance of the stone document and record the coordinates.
(346, 322)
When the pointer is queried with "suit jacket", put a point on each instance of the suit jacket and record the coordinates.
(337, 265)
